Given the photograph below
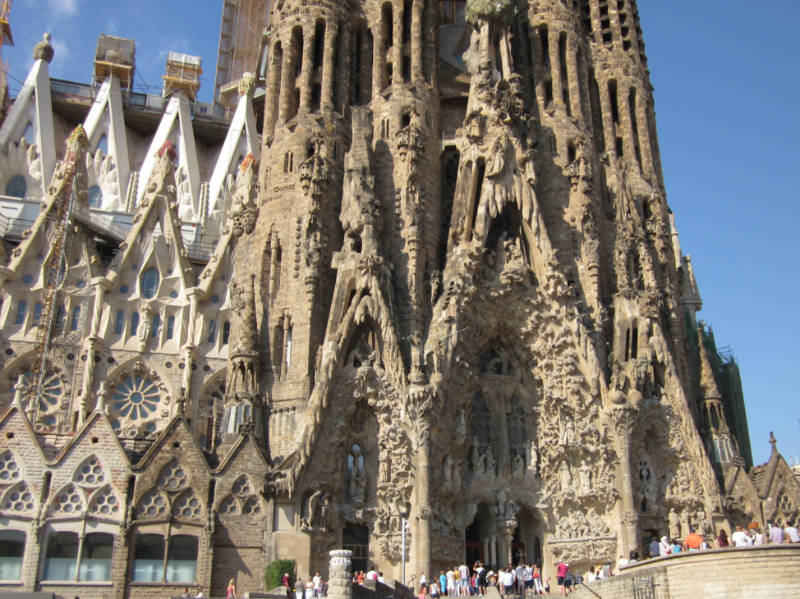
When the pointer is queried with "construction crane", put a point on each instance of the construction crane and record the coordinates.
(53, 275)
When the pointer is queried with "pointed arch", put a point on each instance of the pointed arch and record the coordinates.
(90, 473)
(105, 503)
(70, 501)
(229, 506)
(187, 506)
(18, 500)
(10, 469)
(242, 487)
(153, 505)
(173, 477)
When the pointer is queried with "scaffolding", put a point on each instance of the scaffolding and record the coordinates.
(183, 75)
(6, 39)
(53, 271)
(115, 56)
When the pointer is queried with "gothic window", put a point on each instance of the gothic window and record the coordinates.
(76, 318)
(90, 473)
(229, 506)
(119, 323)
(226, 332)
(92, 565)
(785, 503)
(22, 308)
(182, 560)
(241, 487)
(9, 469)
(18, 499)
(187, 506)
(16, 187)
(170, 327)
(95, 196)
(134, 323)
(149, 555)
(252, 507)
(212, 331)
(105, 503)
(136, 398)
(148, 283)
(37, 314)
(173, 477)
(152, 506)
(12, 549)
(68, 502)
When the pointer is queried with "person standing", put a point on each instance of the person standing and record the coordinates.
(317, 580)
(299, 588)
(562, 569)
(654, 548)
(443, 588)
(775, 534)
(722, 539)
(538, 587)
(231, 593)
(693, 541)
(450, 579)
(463, 580)
(791, 534)
(740, 538)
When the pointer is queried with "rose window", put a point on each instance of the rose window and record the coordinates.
(229, 506)
(18, 499)
(104, 503)
(173, 477)
(50, 395)
(9, 469)
(68, 501)
(136, 398)
(188, 507)
(90, 474)
(152, 505)
(252, 507)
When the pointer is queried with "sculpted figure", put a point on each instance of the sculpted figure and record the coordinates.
(358, 477)
(585, 476)
(565, 476)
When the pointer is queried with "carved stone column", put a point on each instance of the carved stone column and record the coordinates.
(507, 527)
(623, 417)
(340, 584)
(306, 70)
(421, 406)
(329, 66)
(417, 43)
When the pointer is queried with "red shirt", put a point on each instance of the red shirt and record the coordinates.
(561, 569)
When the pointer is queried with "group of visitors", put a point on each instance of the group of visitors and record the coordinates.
(740, 538)
(463, 581)
(372, 575)
(313, 588)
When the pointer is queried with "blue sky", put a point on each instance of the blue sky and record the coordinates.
(726, 92)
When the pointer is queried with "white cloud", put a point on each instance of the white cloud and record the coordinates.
(64, 7)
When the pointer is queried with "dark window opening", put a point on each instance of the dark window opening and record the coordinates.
(450, 163)
(388, 25)
(562, 52)
(406, 21)
(316, 97)
(12, 550)
(476, 196)
(406, 68)
(619, 147)
(319, 43)
(612, 94)
(635, 125)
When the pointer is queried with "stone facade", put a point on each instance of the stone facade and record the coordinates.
(440, 285)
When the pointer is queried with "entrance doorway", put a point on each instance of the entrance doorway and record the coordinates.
(480, 538)
(474, 546)
(355, 537)
(529, 536)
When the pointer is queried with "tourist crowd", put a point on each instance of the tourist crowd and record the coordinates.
(740, 538)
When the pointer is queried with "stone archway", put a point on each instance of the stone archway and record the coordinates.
(529, 538)
(480, 538)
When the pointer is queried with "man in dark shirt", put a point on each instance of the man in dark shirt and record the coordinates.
(633, 556)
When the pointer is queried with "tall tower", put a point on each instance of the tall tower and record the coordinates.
(470, 302)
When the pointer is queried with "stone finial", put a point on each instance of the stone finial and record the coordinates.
(43, 50)
(774, 442)
(247, 84)
(78, 140)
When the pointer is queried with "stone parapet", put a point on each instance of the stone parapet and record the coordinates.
(768, 571)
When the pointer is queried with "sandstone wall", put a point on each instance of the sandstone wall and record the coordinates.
(769, 571)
